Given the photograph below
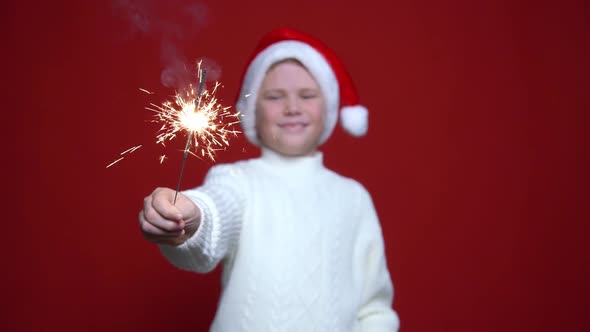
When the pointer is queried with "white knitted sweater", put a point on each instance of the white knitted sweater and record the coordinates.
(301, 248)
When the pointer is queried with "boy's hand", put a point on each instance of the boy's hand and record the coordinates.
(165, 223)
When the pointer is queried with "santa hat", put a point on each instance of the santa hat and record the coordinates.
(327, 69)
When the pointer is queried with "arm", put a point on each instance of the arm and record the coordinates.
(376, 312)
(221, 202)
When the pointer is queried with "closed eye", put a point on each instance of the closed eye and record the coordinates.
(273, 94)
(309, 94)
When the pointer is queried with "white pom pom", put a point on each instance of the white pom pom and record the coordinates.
(354, 120)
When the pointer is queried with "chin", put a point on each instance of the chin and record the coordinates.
(297, 151)
(294, 146)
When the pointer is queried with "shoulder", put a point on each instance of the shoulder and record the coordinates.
(226, 168)
(348, 184)
(240, 172)
(350, 194)
(226, 171)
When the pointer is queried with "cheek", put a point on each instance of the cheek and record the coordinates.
(263, 117)
(264, 121)
(317, 111)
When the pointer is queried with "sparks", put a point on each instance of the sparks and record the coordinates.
(114, 162)
(196, 114)
(146, 91)
(206, 122)
(130, 150)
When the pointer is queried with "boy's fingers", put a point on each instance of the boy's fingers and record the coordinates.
(155, 232)
(152, 216)
(163, 205)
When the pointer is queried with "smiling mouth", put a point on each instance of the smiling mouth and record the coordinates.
(293, 125)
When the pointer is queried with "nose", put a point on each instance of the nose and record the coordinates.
(292, 106)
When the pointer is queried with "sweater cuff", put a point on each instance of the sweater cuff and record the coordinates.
(195, 254)
(203, 237)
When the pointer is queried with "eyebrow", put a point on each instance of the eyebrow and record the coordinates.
(273, 91)
(283, 90)
(309, 90)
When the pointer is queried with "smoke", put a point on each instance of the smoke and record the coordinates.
(173, 23)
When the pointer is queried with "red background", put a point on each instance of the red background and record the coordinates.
(476, 158)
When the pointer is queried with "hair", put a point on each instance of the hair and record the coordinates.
(287, 60)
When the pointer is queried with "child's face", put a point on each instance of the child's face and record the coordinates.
(290, 110)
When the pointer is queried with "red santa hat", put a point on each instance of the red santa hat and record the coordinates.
(327, 69)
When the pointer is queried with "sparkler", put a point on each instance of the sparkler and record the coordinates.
(199, 116)
(188, 139)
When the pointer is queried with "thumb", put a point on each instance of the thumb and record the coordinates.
(187, 208)
(163, 203)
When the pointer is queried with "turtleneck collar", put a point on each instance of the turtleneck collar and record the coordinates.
(306, 163)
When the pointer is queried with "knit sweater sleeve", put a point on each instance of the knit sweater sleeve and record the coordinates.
(221, 200)
(376, 313)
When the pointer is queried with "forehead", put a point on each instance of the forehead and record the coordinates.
(288, 73)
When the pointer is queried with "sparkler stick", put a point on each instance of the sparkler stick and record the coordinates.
(189, 138)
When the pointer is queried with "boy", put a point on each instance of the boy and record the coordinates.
(301, 246)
